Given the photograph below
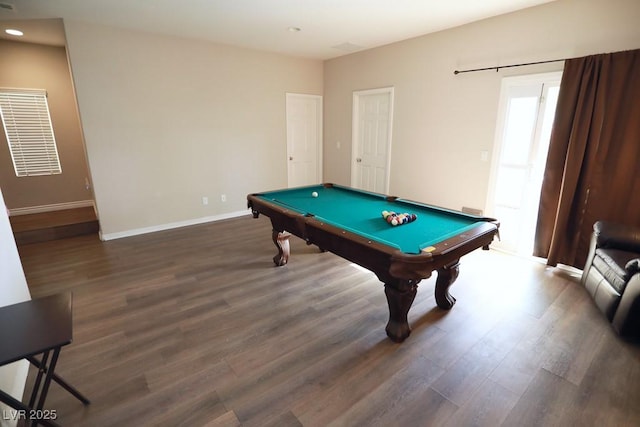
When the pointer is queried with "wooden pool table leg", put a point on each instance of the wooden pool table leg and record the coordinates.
(281, 240)
(400, 295)
(446, 276)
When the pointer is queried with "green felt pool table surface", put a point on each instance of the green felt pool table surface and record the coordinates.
(360, 212)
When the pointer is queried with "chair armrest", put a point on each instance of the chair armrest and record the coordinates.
(618, 236)
(626, 320)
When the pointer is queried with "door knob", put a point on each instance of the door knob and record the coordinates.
(290, 158)
(359, 160)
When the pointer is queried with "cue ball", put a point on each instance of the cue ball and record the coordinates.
(314, 194)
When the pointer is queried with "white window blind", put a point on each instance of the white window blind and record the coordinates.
(27, 124)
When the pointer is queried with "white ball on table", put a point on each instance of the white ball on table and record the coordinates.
(314, 194)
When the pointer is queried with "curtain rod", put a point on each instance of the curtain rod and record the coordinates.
(497, 68)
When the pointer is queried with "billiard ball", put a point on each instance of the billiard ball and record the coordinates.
(314, 194)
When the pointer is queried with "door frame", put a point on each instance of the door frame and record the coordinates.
(503, 104)
(355, 132)
(319, 124)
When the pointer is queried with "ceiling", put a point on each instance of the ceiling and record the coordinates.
(327, 28)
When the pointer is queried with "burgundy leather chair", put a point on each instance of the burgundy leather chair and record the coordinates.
(612, 275)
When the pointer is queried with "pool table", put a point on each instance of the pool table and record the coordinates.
(349, 223)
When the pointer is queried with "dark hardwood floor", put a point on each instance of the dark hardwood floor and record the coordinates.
(196, 327)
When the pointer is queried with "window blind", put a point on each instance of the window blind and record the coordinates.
(27, 125)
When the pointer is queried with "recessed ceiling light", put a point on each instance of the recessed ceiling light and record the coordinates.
(7, 6)
(294, 29)
(14, 32)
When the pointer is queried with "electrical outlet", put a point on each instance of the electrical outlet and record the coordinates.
(223, 197)
(205, 200)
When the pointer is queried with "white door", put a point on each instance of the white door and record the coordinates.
(304, 139)
(525, 117)
(372, 126)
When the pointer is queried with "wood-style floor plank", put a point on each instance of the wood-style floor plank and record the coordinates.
(196, 327)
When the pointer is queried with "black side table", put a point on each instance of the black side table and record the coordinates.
(30, 328)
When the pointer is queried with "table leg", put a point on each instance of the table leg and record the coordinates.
(42, 369)
(400, 296)
(46, 368)
(281, 240)
(446, 276)
(60, 381)
(47, 382)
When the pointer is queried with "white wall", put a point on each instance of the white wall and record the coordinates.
(27, 65)
(169, 120)
(13, 289)
(443, 122)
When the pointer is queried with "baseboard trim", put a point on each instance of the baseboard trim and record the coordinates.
(169, 226)
(51, 208)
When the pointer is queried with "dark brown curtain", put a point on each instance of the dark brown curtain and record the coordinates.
(593, 166)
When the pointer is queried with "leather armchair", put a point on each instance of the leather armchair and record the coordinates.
(612, 275)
